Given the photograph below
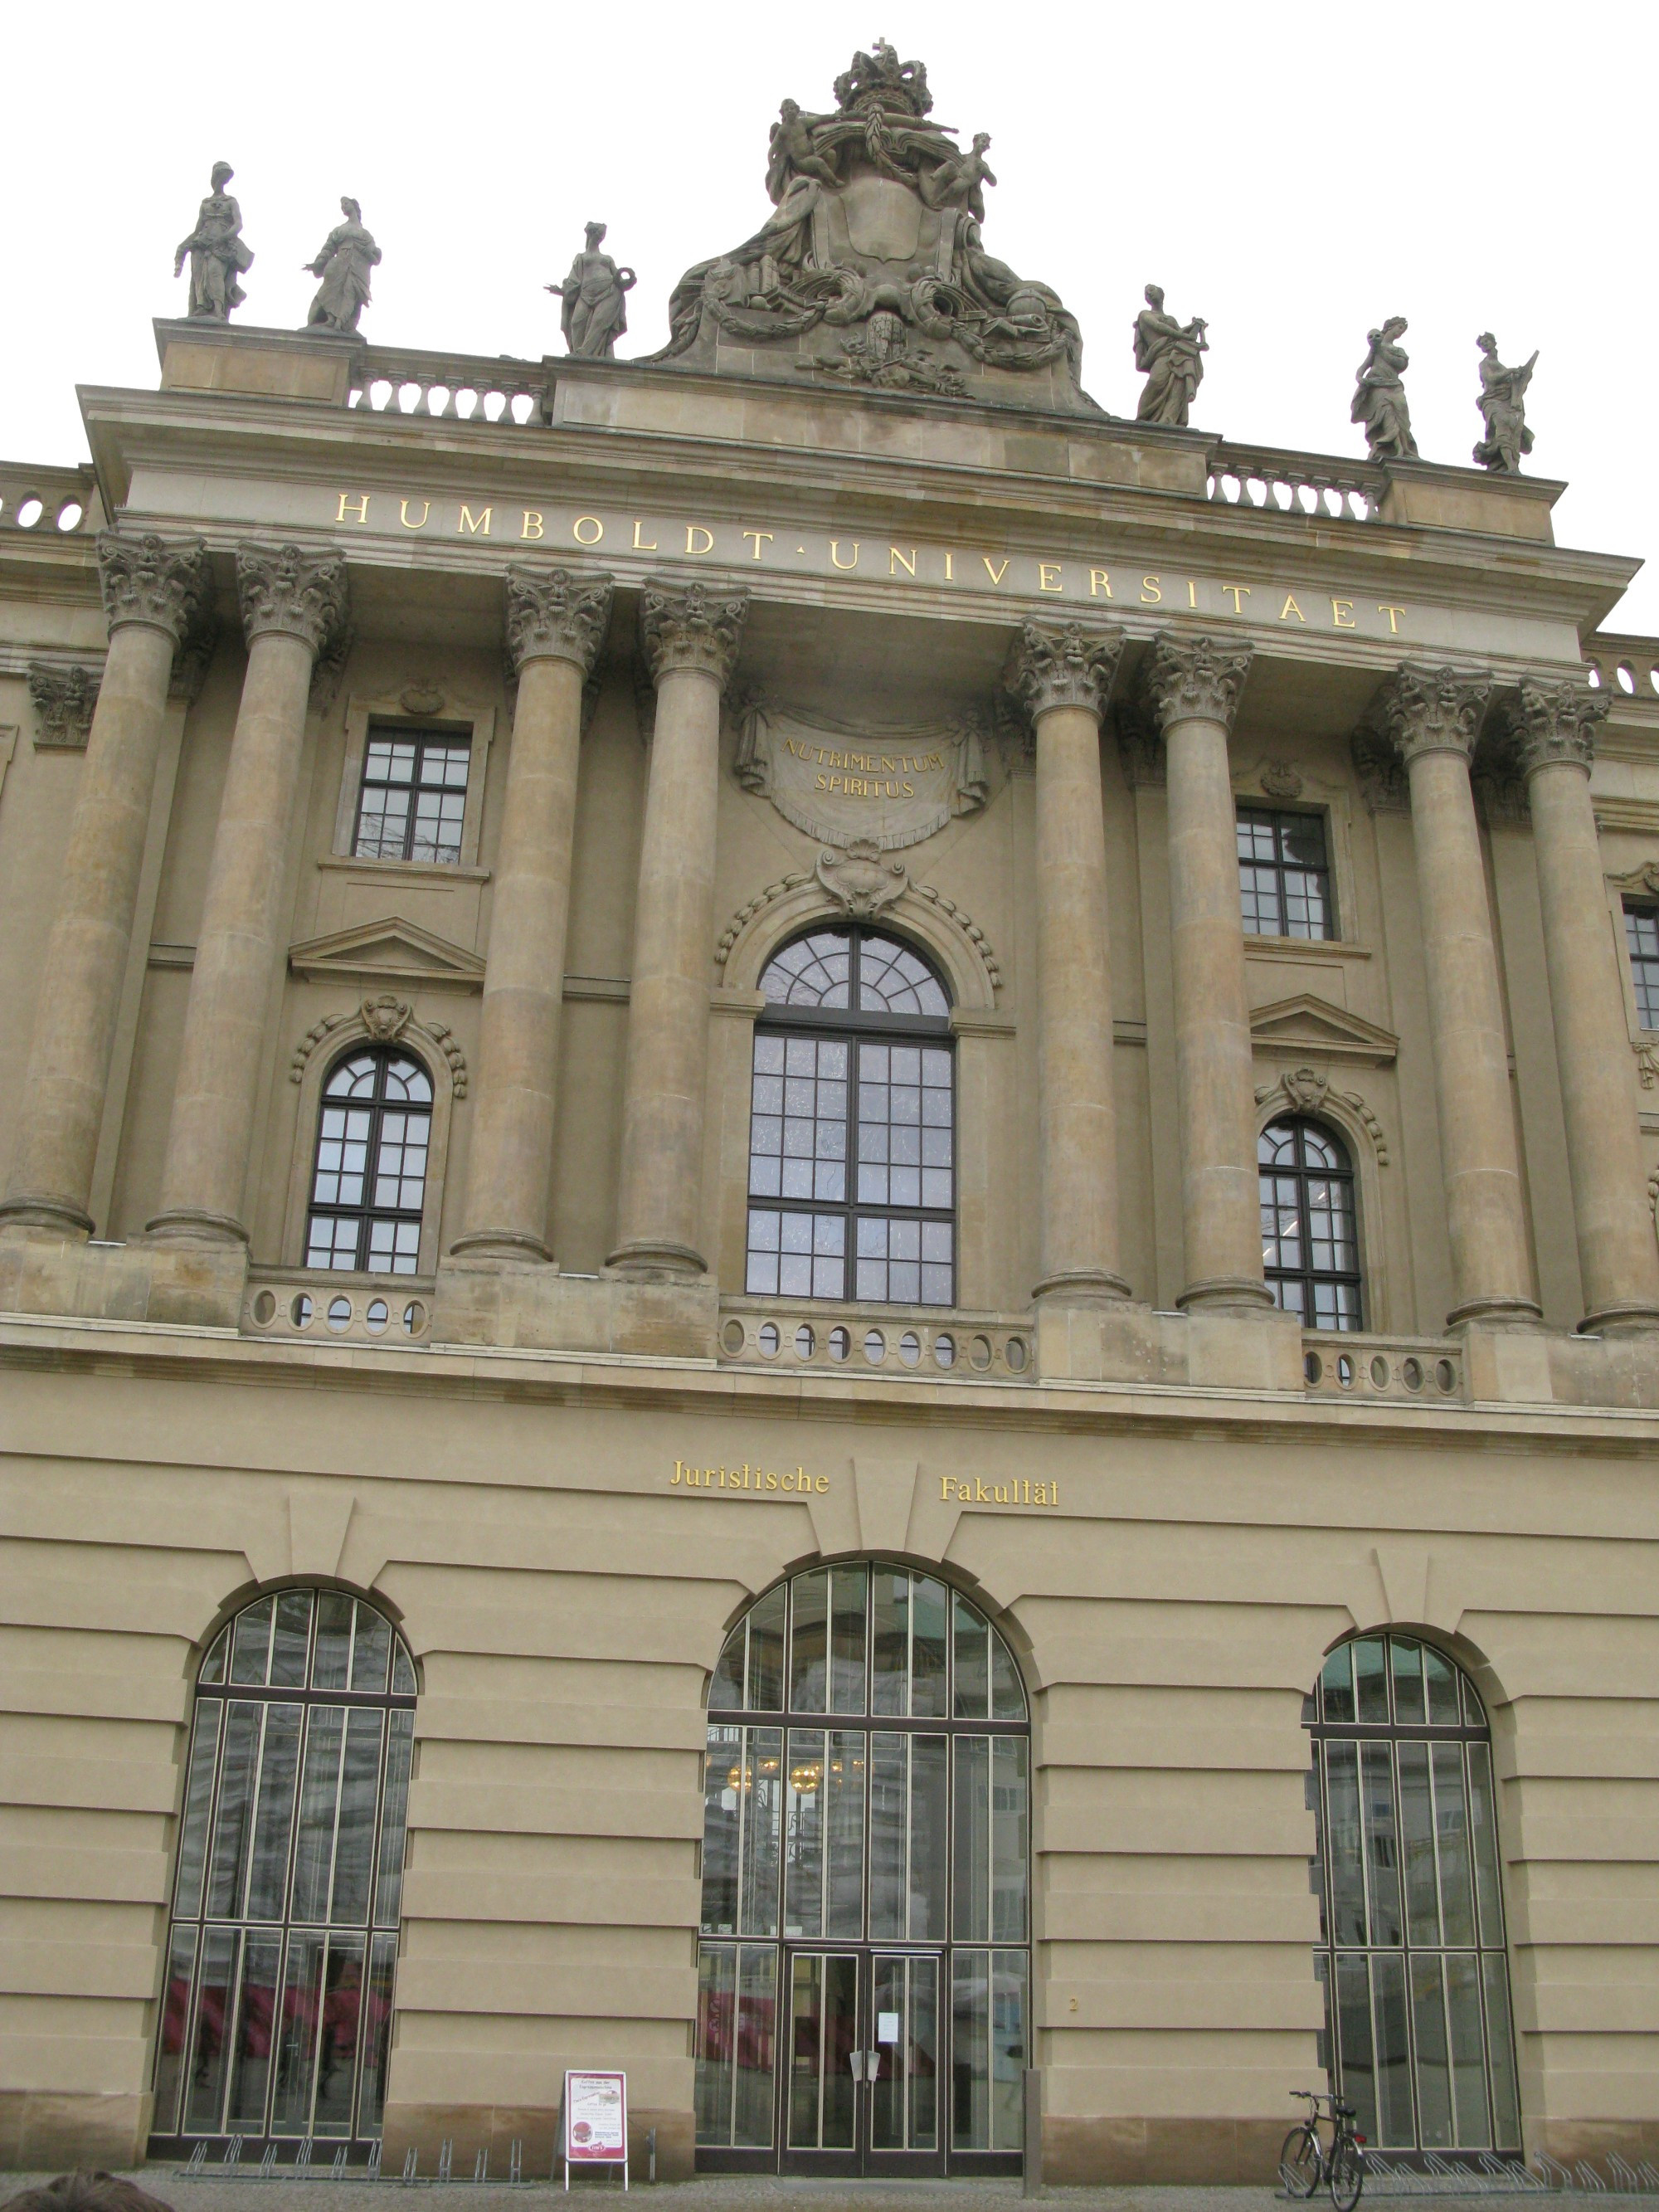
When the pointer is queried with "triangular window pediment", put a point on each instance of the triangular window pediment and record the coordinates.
(398, 950)
(1310, 1024)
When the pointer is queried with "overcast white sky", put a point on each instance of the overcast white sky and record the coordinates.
(1295, 174)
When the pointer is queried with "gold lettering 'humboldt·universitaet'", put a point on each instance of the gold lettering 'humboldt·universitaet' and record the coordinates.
(901, 568)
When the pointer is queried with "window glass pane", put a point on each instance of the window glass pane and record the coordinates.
(1381, 1843)
(1353, 2024)
(376, 2034)
(1416, 1824)
(296, 2042)
(214, 1995)
(1442, 1678)
(278, 1768)
(762, 1809)
(1451, 1827)
(320, 1799)
(803, 1833)
(973, 1664)
(908, 1811)
(331, 1667)
(403, 1670)
(850, 1588)
(288, 1659)
(339, 2028)
(971, 1913)
(736, 2008)
(1488, 1894)
(1468, 2059)
(890, 1641)
(722, 1785)
(256, 2025)
(249, 1651)
(231, 1829)
(809, 1641)
(394, 1818)
(766, 1654)
(1370, 1679)
(1434, 2104)
(371, 1649)
(970, 2007)
(1393, 2085)
(354, 1851)
(198, 1799)
(213, 1667)
(1336, 1684)
(1007, 1690)
(929, 1624)
(1408, 1657)
(1347, 1870)
(1010, 1817)
(726, 1688)
(1506, 2104)
(170, 2037)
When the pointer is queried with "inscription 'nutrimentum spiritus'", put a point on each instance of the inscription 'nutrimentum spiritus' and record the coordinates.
(757, 1480)
(900, 564)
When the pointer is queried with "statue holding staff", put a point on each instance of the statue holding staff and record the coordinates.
(347, 254)
(217, 254)
(1379, 399)
(595, 312)
(1503, 408)
(1167, 354)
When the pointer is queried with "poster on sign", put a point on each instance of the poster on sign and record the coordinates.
(595, 2122)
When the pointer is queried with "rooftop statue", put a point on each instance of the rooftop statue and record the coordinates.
(217, 255)
(1167, 354)
(1379, 401)
(871, 267)
(595, 312)
(1503, 408)
(347, 254)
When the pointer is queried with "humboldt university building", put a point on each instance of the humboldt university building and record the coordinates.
(828, 1260)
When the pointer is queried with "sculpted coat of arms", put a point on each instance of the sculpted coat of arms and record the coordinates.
(872, 269)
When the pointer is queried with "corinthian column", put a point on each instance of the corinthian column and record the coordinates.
(1063, 677)
(1433, 716)
(156, 595)
(1617, 1257)
(294, 605)
(1192, 686)
(690, 640)
(556, 624)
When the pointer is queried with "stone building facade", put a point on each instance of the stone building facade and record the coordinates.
(827, 1229)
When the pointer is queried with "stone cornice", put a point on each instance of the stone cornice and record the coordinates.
(1193, 677)
(288, 589)
(1432, 710)
(163, 584)
(694, 628)
(556, 614)
(1066, 665)
(1557, 723)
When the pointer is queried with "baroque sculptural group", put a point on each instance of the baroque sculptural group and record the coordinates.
(872, 270)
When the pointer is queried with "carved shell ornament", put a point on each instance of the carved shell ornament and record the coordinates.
(1306, 1091)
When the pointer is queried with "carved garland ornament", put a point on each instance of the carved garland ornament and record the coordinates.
(383, 1020)
(848, 877)
(1306, 1092)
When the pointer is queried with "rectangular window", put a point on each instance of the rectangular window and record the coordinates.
(1642, 935)
(1284, 874)
(414, 796)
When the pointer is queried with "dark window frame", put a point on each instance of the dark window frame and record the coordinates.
(1282, 866)
(1644, 965)
(1347, 1177)
(856, 1029)
(367, 1213)
(425, 737)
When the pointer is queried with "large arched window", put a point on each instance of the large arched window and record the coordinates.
(369, 1185)
(852, 1140)
(1413, 1957)
(865, 1964)
(278, 2010)
(1309, 1231)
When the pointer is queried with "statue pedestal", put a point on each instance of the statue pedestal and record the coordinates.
(208, 356)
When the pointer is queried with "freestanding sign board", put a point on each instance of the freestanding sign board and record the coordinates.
(595, 2122)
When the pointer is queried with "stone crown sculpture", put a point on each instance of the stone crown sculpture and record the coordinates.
(872, 270)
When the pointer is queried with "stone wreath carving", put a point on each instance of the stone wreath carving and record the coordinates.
(1306, 1092)
(864, 882)
(383, 1019)
(1280, 780)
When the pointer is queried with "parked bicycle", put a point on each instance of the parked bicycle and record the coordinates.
(1305, 2164)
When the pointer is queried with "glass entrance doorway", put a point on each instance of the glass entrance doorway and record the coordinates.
(864, 1964)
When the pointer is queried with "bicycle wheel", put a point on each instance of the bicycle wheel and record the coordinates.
(1299, 2163)
(1347, 2174)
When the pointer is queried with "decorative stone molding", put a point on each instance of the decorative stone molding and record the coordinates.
(383, 1020)
(961, 921)
(1557, 722)
(1062, 666)
(1653, 1195)
(1280, 780)
(1646, 1049)
(168, 586)
(301, 594)
(421, 699)
(1376, 768)
(1193, 678)
(1304, 1092)
(746, 914)
(556, 614)
(970, 928)
(1642, 880)
(693, 628)
(64, 700)
(859, 881)
(1429, 710)
(1139, 746)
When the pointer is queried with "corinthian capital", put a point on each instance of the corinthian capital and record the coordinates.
(1065, 665)
(1187, 679)
(1432, 710)
(1557, 722)
(284, 587)
(164, 585)
(553, 614)
(693, 628)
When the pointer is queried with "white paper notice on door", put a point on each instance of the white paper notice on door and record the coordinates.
(887, 2028)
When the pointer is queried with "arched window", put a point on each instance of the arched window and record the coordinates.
(852, 1162)
(1412, 1958)
(369, 1182)
(277, 2011)
(1310, 1235)
(864, 1962)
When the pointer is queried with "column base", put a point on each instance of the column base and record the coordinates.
(38, 1210)
(1228, 1294)
(1620, 1320)
(1081, 1286)
(1496, 1313)
(189, 1224)
(645, 1261)
(503, 1244)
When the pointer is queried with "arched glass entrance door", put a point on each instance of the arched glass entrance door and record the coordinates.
(864, 1962)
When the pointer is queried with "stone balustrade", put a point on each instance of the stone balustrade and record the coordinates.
(452, 387)
(1256, 475)
(898, 1342)
(309, 1303)
(1423, 1370)
(35, 497)
(1619, 664)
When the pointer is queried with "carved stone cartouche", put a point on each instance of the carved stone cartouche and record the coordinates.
(1066, 665)
(286, 588)
(862, 879)
(555, 613)
(691, 629)
(1191, 679)
(1424, 710)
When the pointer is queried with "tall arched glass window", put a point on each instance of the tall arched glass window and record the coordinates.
(865, 1963)
(369, 1185)
(852, 1136)
(1412, 1959)
(276, 2016)
(1309, 1228)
